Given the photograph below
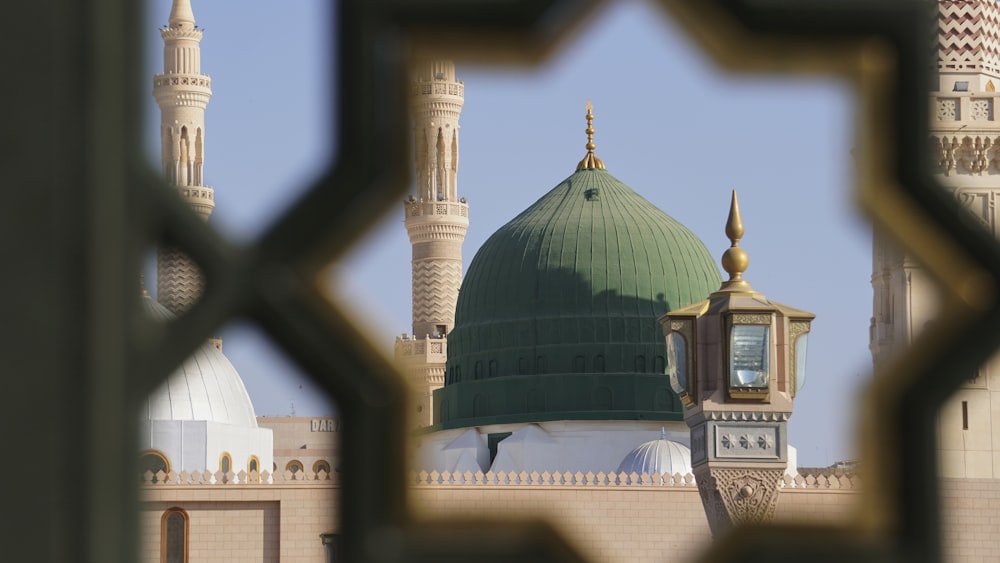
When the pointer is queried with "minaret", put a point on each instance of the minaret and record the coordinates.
(436, 220)
(964, 128)
(182, 92)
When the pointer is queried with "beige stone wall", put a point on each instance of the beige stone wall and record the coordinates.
(219, 531)
(970, 520)
(307, 439)
(621, 524)
(634, 523)
(265, 523)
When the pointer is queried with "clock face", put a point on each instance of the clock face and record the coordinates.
(749, 355)
(677, 364)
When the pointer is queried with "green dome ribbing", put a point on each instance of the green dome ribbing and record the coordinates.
(556, 318)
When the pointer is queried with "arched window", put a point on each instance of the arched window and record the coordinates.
(296, 468)
(174, 536)
(153, 461)
(253, 465)
(225, 465)
(321, 465)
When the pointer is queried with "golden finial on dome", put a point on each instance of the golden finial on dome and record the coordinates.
(735, 260)
(590, 161)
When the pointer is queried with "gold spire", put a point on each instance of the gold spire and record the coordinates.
(590, 161)
(735, 259)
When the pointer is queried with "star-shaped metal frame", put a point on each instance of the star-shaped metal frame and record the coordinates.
(880, 46)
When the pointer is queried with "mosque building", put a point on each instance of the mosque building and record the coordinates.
(201, 418)
(555, 361)
(538, 379)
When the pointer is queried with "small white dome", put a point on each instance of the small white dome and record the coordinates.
(657, 457)
(205, 387)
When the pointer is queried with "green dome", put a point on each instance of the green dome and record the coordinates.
(556, 317)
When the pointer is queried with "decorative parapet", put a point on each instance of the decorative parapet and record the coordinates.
(173, 79)
(612, 480)
(432, 208)
(201, 478)
(200, 198)
(438, 88)
(176, 89)
(425, 350)
(192, 33)
(488, 479)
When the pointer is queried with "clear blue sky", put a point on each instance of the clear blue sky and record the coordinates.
(669, 124)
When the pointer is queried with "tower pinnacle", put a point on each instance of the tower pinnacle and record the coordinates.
(182, 92)
(735, 260)
(590, 161)
(436, 220)
(181, 15)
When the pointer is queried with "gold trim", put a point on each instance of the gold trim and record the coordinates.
(163, 533)
(750, 318)
(159, 454)
(316, 468)
(252, 459)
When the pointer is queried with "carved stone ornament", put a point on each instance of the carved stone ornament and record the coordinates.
(738, 497)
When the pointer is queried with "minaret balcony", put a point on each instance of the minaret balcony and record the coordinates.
(432, 208)
(974, 110)
(427, 350)
(456, 89)
(182, 90)
(198, 80)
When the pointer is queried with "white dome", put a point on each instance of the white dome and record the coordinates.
(657, 457)
(206, 387)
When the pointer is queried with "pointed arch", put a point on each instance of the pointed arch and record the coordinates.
(169, 157)
(183, 169)
(423, 166)
(199, 157)
(439, 169)
(453, 169)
